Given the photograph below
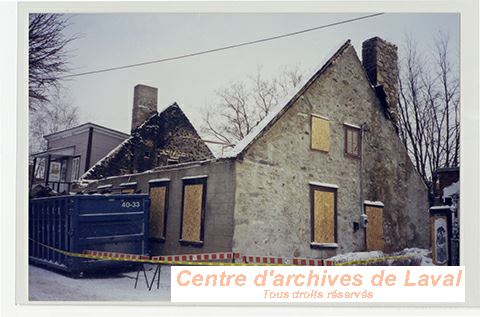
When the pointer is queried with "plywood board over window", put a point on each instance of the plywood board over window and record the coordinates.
(158, 210)
(320, 133)
(374, 231)
(193, 210)
(323, 216)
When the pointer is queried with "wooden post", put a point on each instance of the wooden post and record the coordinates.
(47, 170)
(89, 149)
(32, 176)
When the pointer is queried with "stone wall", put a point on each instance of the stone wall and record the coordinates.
(219, 204)
(272, 203)
(144, 104)
(380, 62)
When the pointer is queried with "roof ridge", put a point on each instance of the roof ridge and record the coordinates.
(281, 107)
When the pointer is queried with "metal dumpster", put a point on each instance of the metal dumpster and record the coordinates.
(116, 223)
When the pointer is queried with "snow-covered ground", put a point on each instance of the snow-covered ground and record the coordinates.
(424, 254)
(419, 257)
(46, 285)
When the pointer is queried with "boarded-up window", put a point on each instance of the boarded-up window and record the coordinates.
(320, 133)
(323, 216)
(158, 210)
(193, 210)
(352, 141)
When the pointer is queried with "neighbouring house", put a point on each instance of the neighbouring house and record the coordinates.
(323, 174)
(446, 185)
(70, 153)
(445, 213)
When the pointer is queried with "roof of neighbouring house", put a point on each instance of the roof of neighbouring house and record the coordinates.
(447, 169)
(284, 105)
(85, 126)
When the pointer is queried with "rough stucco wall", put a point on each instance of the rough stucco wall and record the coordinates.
(272, 204)
(218, 230)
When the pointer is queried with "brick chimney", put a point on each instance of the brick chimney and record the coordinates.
(144, 104)
(380, 60)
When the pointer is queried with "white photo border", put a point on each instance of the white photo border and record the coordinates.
(14, 229)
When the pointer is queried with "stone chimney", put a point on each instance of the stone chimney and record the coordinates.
(380, 60)
(144, 104)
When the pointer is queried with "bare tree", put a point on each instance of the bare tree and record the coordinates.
(56, 115)
(47, 55)
(244, 103)
(429, 107)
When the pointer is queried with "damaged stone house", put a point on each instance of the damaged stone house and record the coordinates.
(303, 183)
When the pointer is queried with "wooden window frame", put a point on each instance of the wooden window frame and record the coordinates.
(311, 131)
(166, 184)
(194, 181)
(37, 169)
(75, 174)
(359, 140)
(322, 245)
(63, 170)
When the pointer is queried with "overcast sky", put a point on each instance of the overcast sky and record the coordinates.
(110, 40)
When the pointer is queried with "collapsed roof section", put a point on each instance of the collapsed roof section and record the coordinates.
(164, 138)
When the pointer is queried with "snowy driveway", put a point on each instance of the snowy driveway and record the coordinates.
(46, 285)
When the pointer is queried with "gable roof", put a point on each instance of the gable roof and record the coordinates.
(285, 104)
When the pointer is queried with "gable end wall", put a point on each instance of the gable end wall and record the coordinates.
(272, 207)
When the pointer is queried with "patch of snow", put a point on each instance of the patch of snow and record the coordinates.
(104, 186)
(159, 180)
(352, 125)
(323, 184)
(324, 245)
(276, 110)
(440, 207)
(453, 189)
(356, 256)
(128, 184)
(321, 117)
(425, 254)
(194, 177)
(373, 203)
